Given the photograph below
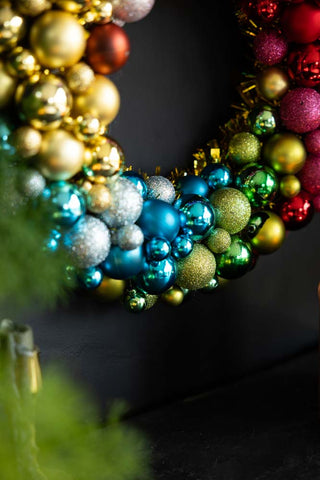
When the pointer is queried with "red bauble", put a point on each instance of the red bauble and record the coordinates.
(301, 22)
(296, 212)
(108, 48)
(304, 65)
(267, 10)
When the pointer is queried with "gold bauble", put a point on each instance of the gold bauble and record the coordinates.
(44, 102)
(233, 209)
(98, 198)
(8, 86)
(74, 6)
(102, 11)
(88, 129)
(101, 100)
(151, 300)
(88, 156)
(110, 289)
(33, 8)
(197, 269)
(244, 147)
(270, 232)
(218, 241)
(27, 141)
(60, 156)
(57, 39)
(79, 77)
(272, 83)
(285, 153)
(12, 27)
(290, 186)
(174, 296)
(22, 63)
(109, 158)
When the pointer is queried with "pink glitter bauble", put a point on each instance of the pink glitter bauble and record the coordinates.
(312, 142)
(300, 110)
(316, 203)
(270, 47)
(309, 175)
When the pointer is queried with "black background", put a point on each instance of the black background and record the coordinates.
(176, 90)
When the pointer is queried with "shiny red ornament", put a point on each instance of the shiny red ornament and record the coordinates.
(108, 48)
(304, 65)
(267, 10)
(296, 212)
(301, 22)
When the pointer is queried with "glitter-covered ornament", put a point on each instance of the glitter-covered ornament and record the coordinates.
(270, 47)
(197, 269)
(129, 237)
(160, 188)
(233, 209)
(31, 183)
(244, 147)
(218, 241)
(131, 10)
(300, 110)
(309, 176)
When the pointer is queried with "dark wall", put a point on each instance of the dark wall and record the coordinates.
(176, 89)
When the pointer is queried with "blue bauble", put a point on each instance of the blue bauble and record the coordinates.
(200, 215)
(181, 246)
(192, 184)
(122, 264)
(217, 175)
(158, 277)
(91, 277)
(6, 129)
(157, 249)
(53, 241)
(138, 180)
(159, 219)
(65, 201)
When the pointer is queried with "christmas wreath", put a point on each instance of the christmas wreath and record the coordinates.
(138, 237)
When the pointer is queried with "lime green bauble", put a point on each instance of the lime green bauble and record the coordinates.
(218, 241)
(259, 183)
(236, 261)
(244, 147)
(232, 208)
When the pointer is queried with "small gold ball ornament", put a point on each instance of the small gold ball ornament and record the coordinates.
(197, 269)
(8, 86)
(110, 289)
(57, 39)
(285, 153)
(290, 186)
(33, 8)
(27, 141)
(79, 77)
(174, 296)
(60, 156)
(101, 100)
(98, 198)
(218, 241)
(272, 83)
(232, 208)
(88, 128)
(22, 63)
(244, 147)
(44, 102)
(12, 27)
(108, 160)
(74, 6)
(266, 232)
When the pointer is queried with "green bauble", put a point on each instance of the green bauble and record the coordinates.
(259, 183)
(244, 147)
(232, 208)
(236, 261)
(262, 121)
(135, 301)
(218, 241)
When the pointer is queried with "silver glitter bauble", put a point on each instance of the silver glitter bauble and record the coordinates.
(160, 188)
(129, 11)
(31, 183)
(130, 237)
(88, 242)
(126, 204)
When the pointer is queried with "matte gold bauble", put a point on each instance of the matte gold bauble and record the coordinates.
(109, 158)
(101, 100)
(60, 156)
(174, 296)
(266, 232)
(8, 86)
(33, 8)
(290, 186)
(272, 83)
(12, 27)
(285, 153)
(22, 63)
(197, 269)
(74, 6)
(27, 141)
(57, 39)
(79, 77)
(98, 198)
(110, 289)
(44, 102)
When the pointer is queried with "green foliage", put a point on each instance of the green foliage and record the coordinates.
(28, 272)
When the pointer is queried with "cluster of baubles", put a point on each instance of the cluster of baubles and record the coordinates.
(136, 237)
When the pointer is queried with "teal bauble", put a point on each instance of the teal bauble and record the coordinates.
(192, 185)
(259, 183)
(138, 180)
(200, 215)
(135, 301)
(157, 249)
(159, 219)
(158, 276)
(181, 246)
(217, 175)
(122, 264)
(90, 278)
(6, 129)
(65, 202)
(262, 121)
(236, 261)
